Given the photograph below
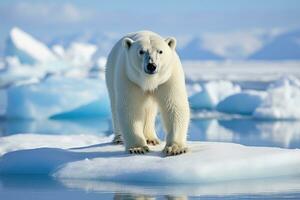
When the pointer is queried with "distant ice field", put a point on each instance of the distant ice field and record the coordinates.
(241, 71)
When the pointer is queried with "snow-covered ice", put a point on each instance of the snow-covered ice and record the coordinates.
(77, 54)
(58, 97)
(28, 49)
(243, 70)
(242, 103)
(32, 141)
(26, 59)
(17, 73)
(98, 159)
(212, 93)
(282, 101)
(207, 162)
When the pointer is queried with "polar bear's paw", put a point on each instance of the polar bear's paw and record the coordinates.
(174, 149)
(139, 150)
(153, 141)
(117, 139)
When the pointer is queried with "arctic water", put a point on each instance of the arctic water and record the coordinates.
(237, 129)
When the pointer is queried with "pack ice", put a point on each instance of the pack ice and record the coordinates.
(212, 93)
(26, 48)
(58, 97)
(28, 60)
(281, 99)
(93, 157)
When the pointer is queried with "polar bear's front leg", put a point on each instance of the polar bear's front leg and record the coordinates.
(149, 125)
(174, 107)
(131, 115)
(176, 119)
(132, 129)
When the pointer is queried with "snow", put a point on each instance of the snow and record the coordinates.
(212, 93)
(28, 49)
(98, 159)
(207, 162)
(17, 73)
(193, 89)
(26, 58)
(240, 70)
(58, 97)
(282, 101)
(33, 141)
(77, 54)
(242, 103)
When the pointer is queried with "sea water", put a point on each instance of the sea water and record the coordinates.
(205, 126)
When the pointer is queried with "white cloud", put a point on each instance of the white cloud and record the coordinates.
(66, 13)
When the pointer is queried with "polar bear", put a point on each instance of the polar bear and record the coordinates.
(143, 76)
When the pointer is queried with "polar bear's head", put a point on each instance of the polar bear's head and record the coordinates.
(149, 60)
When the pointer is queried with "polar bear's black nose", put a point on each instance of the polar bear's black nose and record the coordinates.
(151, 68)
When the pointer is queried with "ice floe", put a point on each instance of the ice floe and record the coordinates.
(98, 159)
(32, 141)
(282, 101)
(58, 97)
(26, 48)
(212, 93)
(242, 103)
(77, 54)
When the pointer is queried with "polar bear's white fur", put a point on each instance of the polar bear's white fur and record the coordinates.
(144, 75)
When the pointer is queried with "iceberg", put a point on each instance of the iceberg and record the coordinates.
(17, 73)
(58, 97)
(212, 93)
(27, 49)
(192, 89)
(28, 60)
(98, 69)
(77, 54)
(98, 159)
(242, 103)
(282, 101)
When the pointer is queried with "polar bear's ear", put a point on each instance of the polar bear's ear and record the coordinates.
(127, 42)
(171, 41)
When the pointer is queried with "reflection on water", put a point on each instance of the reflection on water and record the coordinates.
(253, 187)
(49, 126)
(245, 131)
(285, 134)
(47, 188)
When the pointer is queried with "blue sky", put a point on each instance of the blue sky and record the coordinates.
(49, 18)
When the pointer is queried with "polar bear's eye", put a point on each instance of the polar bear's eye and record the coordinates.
(160, 51)
(141, 52)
